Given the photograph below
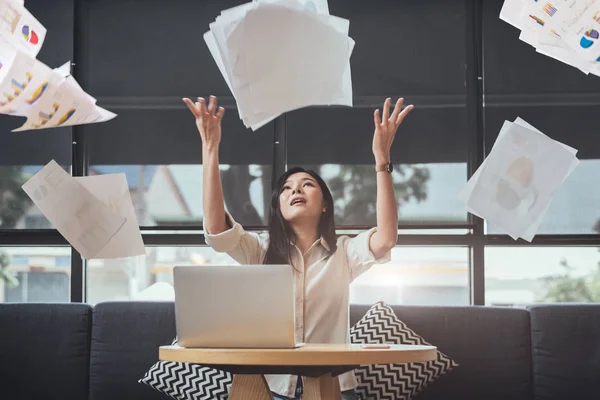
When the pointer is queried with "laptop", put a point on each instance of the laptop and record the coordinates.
(235, 306)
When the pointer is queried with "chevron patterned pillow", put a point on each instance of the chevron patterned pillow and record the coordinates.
(184, 381)
(393, 381)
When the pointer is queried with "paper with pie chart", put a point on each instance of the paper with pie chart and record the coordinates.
(19, 28)
(47, 97)
(584, 34)
(280, 55)
(514, 186)
(566, 30)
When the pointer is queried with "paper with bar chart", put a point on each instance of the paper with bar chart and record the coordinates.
(48, 97)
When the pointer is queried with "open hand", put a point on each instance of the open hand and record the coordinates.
(386, 127)
(208, 120)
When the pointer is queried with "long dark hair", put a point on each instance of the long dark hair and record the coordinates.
(280, 232)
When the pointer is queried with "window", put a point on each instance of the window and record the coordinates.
(417, 276)
(171, 195)
(424, 192)
(418, 50)
(35, 274)
(124, 279)
(517, 276)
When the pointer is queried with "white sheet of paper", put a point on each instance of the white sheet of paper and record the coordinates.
(506, 203)
(565, 55)
(234, 51)
(511, 12)
(82, 219)
(113, 191)
(105, 115)
(312, 58)
(311, 6)
(529, 37)
(19, 28)
(528, 232)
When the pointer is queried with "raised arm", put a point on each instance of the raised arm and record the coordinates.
(386, 235)
(208, 121)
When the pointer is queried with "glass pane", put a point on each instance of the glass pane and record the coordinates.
(417, 276)
(126, 279)
(35, 274)
(517, 276)
(171, 195)
(425, 192)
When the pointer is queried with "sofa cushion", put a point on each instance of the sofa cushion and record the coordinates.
(393, 381)
(186, 381)
(566, 351)
(44, 350)
(491, 345)
(125, 341)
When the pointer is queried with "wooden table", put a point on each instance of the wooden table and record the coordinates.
(318, 364)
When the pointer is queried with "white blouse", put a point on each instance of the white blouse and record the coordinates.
(322, 287)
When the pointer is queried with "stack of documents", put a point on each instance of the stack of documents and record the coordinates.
(29, 88)
(281, 55)
(513, 188)
(567, 30)
(94, 214)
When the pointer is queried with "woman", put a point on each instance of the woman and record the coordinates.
(302, 233)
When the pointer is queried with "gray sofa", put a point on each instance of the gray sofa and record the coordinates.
(76, 351)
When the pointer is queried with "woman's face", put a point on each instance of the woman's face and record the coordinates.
(301, 198)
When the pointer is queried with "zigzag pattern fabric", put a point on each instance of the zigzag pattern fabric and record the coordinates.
(393, 381)
(185, 381)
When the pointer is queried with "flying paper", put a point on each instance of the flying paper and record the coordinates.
(113, 191)
(281, 55)
(566, 30)
(514, 186)
(28, 88)
(94, 214)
